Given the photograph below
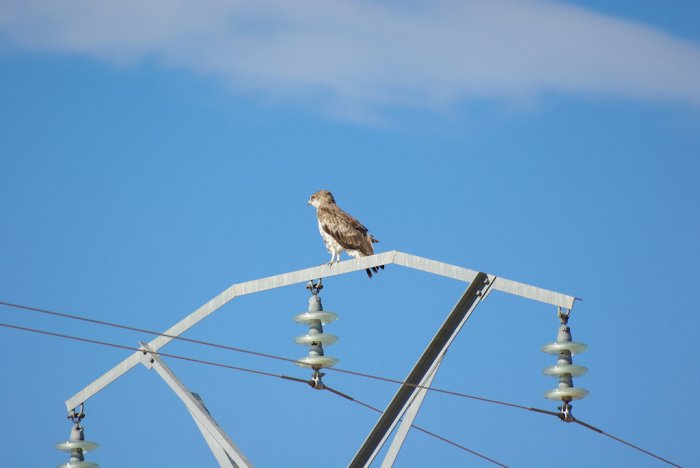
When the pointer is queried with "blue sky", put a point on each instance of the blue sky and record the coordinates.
(151, 156)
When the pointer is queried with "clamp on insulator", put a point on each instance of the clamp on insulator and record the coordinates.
(316, 381)
(76, 445)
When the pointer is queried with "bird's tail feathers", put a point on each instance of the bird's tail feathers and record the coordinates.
(373, 269)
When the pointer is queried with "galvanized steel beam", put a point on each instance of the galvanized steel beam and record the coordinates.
(501, 284)
(223, 448)
(303, 276)
(422, 372)
(409, 416)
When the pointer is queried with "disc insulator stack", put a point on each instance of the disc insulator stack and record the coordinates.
(565, 370)
(315, 338)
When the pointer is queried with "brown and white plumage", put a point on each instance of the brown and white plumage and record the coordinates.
(340, 231)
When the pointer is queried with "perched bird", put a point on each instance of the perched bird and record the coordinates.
(340, 231)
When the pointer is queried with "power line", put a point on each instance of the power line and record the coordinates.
(254, 353)
(143, 330)
(421, 429)
(131, 348)
(226, 366)
(600, 431)
(272, 356)
(434, 389)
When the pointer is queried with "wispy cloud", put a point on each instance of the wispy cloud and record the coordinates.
(365, 55)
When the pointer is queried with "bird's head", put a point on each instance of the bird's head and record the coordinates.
(321, 197)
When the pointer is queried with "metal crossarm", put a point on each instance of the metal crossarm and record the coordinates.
(305, 275)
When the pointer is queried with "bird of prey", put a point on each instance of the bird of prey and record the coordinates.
(340, 231)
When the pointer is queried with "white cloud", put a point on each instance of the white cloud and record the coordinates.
(363, 54)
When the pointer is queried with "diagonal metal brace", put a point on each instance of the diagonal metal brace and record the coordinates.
(422, 374)
(221, 445)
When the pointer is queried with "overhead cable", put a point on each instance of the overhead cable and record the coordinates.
(217, 364)
(272, 356)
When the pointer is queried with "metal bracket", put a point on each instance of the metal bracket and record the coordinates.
(563, 314)
(315, 287)
(316, 381)
(146, 358)
(490, 281)
(565, 412)
(77, 417)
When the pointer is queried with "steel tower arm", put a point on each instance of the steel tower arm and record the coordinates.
(305, 275)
